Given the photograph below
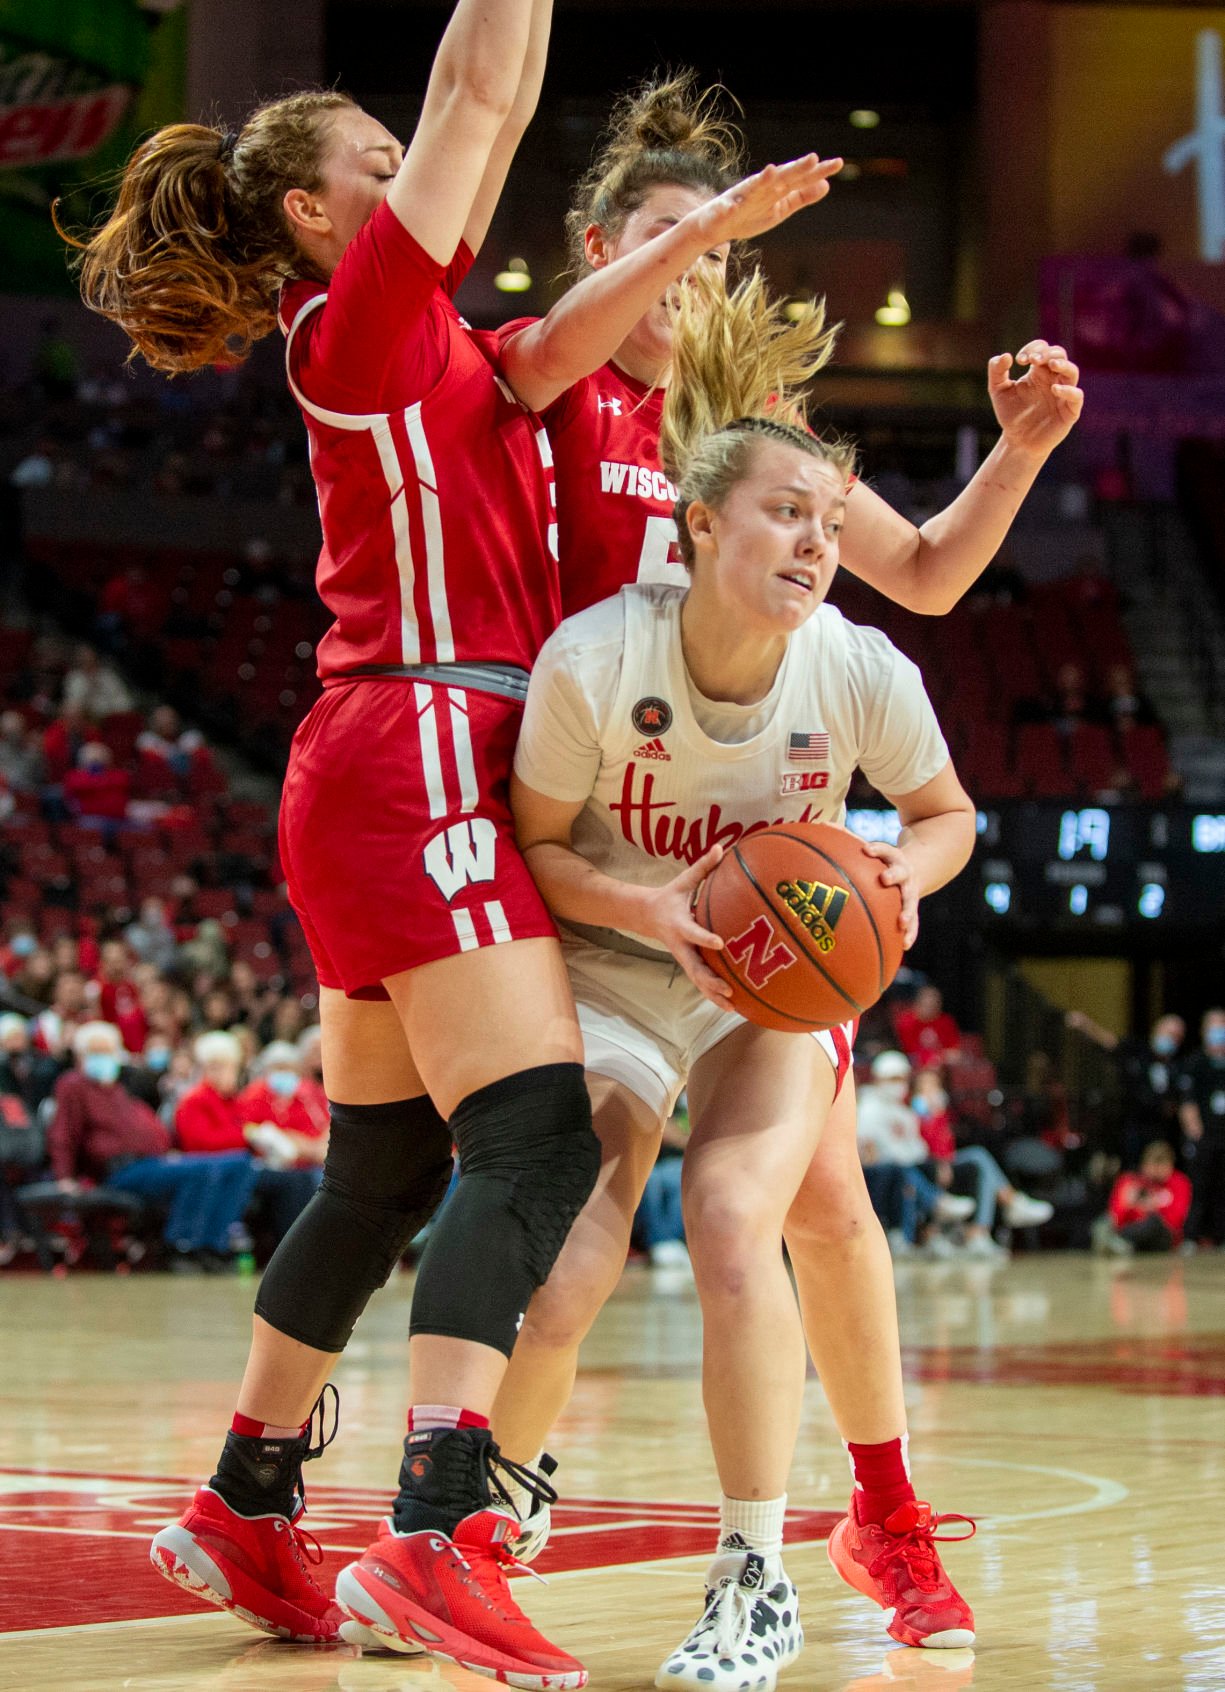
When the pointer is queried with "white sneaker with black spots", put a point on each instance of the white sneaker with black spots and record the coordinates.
(746, 1635)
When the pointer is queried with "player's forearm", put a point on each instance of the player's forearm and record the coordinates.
(527, 95)
(482, 54)
(587, 325)
(576, 891)
(939, 847)
(928, 569)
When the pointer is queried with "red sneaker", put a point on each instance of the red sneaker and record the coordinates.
(449, 1596)
(899, 1568)
(253, 1566)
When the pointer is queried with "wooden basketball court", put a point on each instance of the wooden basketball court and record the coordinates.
(1077, 1408)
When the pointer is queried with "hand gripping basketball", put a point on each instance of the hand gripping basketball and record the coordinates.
(669, 919)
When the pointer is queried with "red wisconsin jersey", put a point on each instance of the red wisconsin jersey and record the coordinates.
(614, 503)
(434, 483)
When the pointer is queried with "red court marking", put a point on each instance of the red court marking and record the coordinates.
(1148, 1367)
(99, 1526)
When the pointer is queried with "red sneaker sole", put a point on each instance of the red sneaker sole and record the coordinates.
(362, 1603)
(179, 1557)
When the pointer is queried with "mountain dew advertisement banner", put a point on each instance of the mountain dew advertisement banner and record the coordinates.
(79, 81)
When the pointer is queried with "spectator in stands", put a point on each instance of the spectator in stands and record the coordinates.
(930, 1103)
(167, 742)
(20, 945)
(129, 609)
(216, 1011)
(893, 1151)
(101, 1133)
(210, 1117)
(1202, 1091)
(253, 998)
(64, 739)
(54, 1028)
(1149, 1075)
(1072, 703)
(34, 980)
(279, 1095)
(207, 951)
(94, 686)
(1125, 704)
(151, 937)
(660, 1222)
(118, 997)
(96, 792)
(24, 1073)
(926, 1032)
(1147, 1209)
(285, 1021)
(21, 761)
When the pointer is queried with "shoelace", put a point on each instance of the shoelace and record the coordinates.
(489, 1566)
(729, 1615)
(317, 1441)
(531, 1480)
(917, 1549)
(306, 1547)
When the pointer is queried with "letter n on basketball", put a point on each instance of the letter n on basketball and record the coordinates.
(759, 952)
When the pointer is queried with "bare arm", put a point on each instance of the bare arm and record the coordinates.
(1191, 1120)
(937, 838)
(574, 888)
(1084, 1024)
(512, 131)
(585, 328)
(928, 569)
(472, 91)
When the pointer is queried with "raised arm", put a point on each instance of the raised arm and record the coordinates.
(513, 129)
(586, 326)
(928, 569)
(474, 87)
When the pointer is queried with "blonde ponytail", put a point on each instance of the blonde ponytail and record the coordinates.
(739, 368)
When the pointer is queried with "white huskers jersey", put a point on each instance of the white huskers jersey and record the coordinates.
(612, 718)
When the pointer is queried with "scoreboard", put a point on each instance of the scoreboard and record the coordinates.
(1086, 869)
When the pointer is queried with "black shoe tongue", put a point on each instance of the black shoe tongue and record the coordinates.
(754, 1577)
(443, 1478)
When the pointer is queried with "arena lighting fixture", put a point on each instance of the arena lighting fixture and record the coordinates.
(515, 279)
(863, 118)
(794, 310)
(895, 313)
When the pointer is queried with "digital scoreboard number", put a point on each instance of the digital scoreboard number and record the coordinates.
(1060, 867)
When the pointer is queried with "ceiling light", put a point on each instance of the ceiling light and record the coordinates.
(862, 118)
(515, 279)
(895, 314)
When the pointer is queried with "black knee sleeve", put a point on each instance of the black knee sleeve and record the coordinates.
(387, 1168)
(528, 1160)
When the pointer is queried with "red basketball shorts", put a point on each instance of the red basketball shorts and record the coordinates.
(395, 830)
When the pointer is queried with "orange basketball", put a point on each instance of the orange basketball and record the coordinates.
(810, 937)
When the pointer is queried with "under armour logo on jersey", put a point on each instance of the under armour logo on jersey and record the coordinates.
(613, 405)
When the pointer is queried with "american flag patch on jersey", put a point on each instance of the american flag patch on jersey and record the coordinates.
(808, 748)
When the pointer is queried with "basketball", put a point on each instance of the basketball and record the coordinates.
(810, 936)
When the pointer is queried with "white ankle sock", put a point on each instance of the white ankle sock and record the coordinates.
(749, 1524)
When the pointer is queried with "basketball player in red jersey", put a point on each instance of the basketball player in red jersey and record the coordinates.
(667, 151)
(446, 1012)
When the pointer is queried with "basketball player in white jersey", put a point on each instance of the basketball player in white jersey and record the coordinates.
(657, 730)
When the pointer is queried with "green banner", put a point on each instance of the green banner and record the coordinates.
(80, 80)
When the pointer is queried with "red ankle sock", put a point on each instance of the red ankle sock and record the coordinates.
(443, 1416)
(249, 1428)
(882, 1478)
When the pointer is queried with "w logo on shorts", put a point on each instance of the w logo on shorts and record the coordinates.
(461, 855)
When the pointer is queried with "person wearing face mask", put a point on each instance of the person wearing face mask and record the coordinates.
(280, 1097)
(1150, 1075)
(1202, 1115)
(930, 1103)
(212, 1117)
(895, 1158)
(24, 1073)
(101, 1134)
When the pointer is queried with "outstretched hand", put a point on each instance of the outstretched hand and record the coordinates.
(1038, 410)
(762, 201)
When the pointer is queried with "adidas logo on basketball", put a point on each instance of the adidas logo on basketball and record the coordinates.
(653, 749)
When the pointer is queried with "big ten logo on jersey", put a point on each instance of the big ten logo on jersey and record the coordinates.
(818, 907)
(802, 781)
(759, 951)
(461, 855)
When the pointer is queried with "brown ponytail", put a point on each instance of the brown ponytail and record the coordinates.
(662, 134)
(191, 258)
(739, 367)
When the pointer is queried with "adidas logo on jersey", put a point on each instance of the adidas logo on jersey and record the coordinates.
(653, 749)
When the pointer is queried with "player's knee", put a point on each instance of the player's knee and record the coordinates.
(728, 1229)
(582, 1279)
(837, 1219)
(387, 1169)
